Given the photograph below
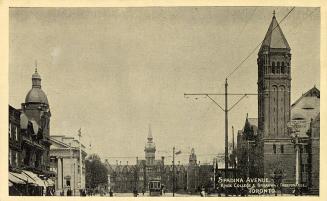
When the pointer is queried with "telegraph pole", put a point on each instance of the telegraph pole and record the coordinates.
(226, 109)
(174, 171)
(226, 129)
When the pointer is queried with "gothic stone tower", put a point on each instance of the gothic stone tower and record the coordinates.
(150, 149)
(274, 88)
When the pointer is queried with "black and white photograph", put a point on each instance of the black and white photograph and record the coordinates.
(164, 101)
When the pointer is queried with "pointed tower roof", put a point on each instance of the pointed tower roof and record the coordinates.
(274, 37)
(150, 133)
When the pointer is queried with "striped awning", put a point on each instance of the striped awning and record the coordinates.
(38, 181)
(18, 178)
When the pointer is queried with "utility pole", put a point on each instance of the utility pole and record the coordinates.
(225, 110)
(226, 129)
(174, 171)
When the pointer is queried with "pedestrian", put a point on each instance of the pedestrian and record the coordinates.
(135, 192)
(143, 191)
(203, 193)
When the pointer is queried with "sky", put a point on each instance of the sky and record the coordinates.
(115, 71)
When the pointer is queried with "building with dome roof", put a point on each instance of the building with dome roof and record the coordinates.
(36, 112)
(34, 134)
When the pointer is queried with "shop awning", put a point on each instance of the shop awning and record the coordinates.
(49, 182)
(17, 178)
(38, 181)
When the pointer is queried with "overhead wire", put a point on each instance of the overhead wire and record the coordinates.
(250, 54)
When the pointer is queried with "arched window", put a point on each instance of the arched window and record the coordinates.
(274, 148)
(278, 68)
(282, 69)
(273, 67)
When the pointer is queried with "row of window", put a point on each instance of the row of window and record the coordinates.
(13, 158)
(277, 69)
(303, 149)
(13, 131)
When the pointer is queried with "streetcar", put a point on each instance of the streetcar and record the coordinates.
(155, 188)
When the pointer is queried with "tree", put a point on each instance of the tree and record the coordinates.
(96, 172)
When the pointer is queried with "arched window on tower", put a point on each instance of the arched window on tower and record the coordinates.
(282, 69)
(278, 67)
(273, 68)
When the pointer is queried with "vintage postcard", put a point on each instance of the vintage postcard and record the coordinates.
(164, 101)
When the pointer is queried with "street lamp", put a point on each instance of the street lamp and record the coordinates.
(294, 128)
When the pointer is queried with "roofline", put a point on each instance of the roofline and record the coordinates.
(303, 95)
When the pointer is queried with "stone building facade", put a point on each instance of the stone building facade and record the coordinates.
(65, 162)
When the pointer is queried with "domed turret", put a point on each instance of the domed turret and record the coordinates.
(36, 94)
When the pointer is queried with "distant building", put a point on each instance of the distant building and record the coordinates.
(192, 173)
(247, 151)
(126, 178)
(65, 161)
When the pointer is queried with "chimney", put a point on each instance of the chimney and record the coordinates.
(119, 162)
(116, 162)
(127, 162)
(137, 160)
(163, 159)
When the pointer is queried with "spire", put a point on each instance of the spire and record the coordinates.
(35, 66)
(274, 37)
(36, 78)
(150, 133)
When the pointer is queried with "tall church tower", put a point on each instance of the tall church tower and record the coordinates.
(274, 88)
(274, 83)
(150, 149)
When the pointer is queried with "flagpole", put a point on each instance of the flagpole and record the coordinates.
(80, 156)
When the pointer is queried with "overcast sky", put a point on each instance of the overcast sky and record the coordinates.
(114, 71)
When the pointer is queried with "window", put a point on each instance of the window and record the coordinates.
(278, 67)
(274, 148)
(9, 130)
(282, 149)
(273, 67)
(283, 68)
(10, 157)
(13, 153)
(68, 183)
(16, 133)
